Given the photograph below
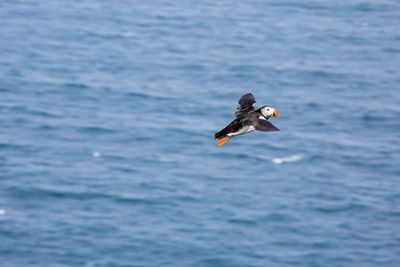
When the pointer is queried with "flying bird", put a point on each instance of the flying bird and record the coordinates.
(248, 119)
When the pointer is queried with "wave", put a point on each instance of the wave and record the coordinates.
(292, 158)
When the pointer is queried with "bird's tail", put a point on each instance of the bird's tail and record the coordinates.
(221, 133)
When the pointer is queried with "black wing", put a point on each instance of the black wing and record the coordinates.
(265, 126)
(247, 103)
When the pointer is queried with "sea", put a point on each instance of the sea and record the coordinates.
(108, 111)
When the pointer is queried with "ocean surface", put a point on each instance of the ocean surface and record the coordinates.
(108, 111)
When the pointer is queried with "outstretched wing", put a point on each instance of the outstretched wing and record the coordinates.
(265, 126)
(247, 103)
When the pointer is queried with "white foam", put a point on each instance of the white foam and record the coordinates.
(96, 154)
(2, 211)
(292, 158)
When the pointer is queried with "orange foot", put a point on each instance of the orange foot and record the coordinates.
(223, 140)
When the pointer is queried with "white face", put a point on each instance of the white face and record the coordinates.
(267, 111)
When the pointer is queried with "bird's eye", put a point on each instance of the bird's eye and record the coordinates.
(267, 109)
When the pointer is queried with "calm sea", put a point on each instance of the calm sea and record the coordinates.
(107, 116)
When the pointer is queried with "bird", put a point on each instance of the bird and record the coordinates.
(248, 119)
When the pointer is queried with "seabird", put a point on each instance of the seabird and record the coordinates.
(248, 119)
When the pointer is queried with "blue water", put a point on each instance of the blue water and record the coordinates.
(108, 110)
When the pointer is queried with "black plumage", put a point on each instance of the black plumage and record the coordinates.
(247, 103)
(247, 119)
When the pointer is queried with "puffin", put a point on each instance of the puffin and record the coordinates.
(248, 119)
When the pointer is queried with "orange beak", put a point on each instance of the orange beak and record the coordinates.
(277, 113)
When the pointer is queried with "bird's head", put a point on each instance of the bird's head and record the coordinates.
(268, 112)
